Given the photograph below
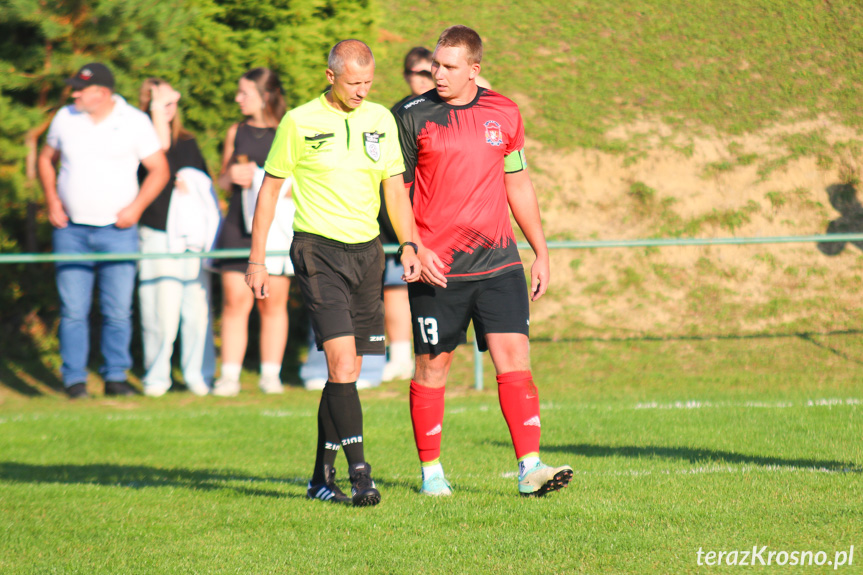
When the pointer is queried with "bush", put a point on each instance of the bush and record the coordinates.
(200, 46)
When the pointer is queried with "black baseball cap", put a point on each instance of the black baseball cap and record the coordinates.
(93, 74)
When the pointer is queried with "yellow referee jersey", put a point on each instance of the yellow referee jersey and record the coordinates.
(337, 160)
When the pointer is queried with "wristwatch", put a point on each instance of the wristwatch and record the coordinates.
(402, 248)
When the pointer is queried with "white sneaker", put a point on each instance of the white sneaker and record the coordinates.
(226, 387)
(542, 479)
(314, 384)
(199, 388)
(398, 370)
(156, 389)
(436, 486)
(271, 384)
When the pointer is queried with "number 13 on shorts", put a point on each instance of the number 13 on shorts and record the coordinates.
(428, 330)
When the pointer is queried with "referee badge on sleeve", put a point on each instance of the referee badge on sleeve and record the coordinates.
(373, 144)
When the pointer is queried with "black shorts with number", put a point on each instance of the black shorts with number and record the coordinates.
(441, 315)
(342, 285)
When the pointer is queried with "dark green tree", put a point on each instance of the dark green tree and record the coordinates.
(41, 43)
(200, 46)
(229, 37)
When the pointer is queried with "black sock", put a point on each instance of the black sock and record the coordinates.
(328, 442)
(347, 415)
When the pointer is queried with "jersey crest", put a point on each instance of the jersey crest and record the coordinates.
(458, 184)
(493, 133)
(373, 145)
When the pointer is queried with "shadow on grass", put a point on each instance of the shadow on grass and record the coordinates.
(19, 347)
(142, 476)
(843, 197)
(695, 455)
(804, 335)
(808, 337)
(10, 378)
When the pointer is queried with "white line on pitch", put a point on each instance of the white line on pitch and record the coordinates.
(696, 404)
(703, 471)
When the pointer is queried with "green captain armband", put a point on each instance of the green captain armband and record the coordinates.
(515, 162)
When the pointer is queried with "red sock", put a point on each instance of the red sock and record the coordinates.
(427, 418)
(519, 402)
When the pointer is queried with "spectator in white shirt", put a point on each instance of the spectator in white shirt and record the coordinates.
(94, 205)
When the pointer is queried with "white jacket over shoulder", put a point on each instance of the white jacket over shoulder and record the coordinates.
(193, 214)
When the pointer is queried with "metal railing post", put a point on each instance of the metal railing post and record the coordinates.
(477, 356)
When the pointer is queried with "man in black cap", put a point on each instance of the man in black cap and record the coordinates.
(93, 74)
(94, 204)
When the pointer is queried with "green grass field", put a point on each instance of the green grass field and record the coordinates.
(677, 445)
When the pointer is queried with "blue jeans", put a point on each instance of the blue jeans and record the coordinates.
(116, 282)
(393, 271)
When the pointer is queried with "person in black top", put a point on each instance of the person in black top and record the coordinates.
(259, 96)
(174, 293)
(397, 311)
(417, 73)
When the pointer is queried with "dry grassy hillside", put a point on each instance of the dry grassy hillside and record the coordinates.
(793, 179)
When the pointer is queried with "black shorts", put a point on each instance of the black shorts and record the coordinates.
(441, 316)
(233, 235)
(342, 285)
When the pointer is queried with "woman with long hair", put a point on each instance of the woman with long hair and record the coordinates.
(175, 293)
(260, 98)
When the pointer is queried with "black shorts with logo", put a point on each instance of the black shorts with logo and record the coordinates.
(342, 285)
(441, 316)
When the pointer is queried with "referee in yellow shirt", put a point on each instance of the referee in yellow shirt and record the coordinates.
(339, 148)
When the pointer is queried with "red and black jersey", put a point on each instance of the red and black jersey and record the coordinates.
(454, 159)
